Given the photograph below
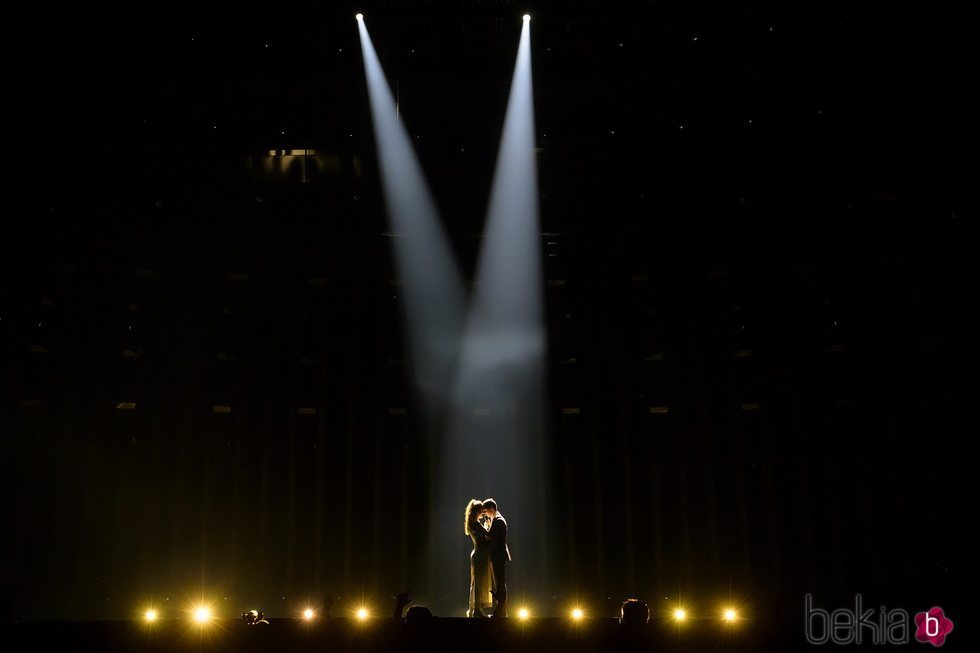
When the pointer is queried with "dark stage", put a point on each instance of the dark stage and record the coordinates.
(346, 635)
(289, 291)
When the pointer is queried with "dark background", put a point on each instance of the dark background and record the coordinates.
(759, 281)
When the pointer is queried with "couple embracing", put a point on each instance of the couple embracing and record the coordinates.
(488, 583)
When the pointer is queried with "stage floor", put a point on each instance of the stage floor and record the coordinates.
(441, 634)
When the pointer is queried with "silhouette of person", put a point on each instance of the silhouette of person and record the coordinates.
(480, 573)
(499, 556)
(634, 614)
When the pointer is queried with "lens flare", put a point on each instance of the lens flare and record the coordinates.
(362, 614)
(202, 614)
(577, 614)
(730, 615)
(523, 614)
(309, 614)
(680, 614)
(150, 615)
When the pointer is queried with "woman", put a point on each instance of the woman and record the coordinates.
(480, 598)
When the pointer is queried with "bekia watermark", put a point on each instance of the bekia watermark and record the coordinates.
(882, 626)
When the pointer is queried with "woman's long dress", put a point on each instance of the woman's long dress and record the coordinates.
(480, 571)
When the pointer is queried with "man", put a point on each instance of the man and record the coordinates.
(499, 557)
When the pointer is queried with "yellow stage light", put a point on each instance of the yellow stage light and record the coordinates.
(308, 614)
(730, 615)
(680, 614)
(202, 614)
(362, 614)
(523, 614)
(577, 614)
(150, 615)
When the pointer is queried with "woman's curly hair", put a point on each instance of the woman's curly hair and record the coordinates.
(473, 508)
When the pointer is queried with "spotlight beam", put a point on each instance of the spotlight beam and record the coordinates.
(503, 343)
(434, 297)
(509, 269)
(495, 443)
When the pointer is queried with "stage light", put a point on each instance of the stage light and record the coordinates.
(309, 614)
(150, 615)
(577, 614)
(523, 614)
(202, 614)
(359, 16)
(527, 17)
(434, 297)
(680, 614)
(730, 615)
(362, 614)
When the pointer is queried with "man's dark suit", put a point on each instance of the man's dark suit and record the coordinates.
(499, 557)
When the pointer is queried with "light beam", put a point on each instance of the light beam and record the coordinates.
(434, 297)
(495, 441)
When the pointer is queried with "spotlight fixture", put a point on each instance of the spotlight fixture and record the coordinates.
(730, 615)
(680, 614)
(150, 615)
(202, 614)
(359, 16)
(362, 614)
(577, 614)
(527, 17)
(523, 614)
(309, 614)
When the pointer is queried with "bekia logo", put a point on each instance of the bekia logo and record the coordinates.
(932, 626)
(884, 626)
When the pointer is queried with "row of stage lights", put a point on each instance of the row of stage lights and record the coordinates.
(203, 615)
(680, 615)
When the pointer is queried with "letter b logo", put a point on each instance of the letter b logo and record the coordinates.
(932, 626)
(813, 616)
